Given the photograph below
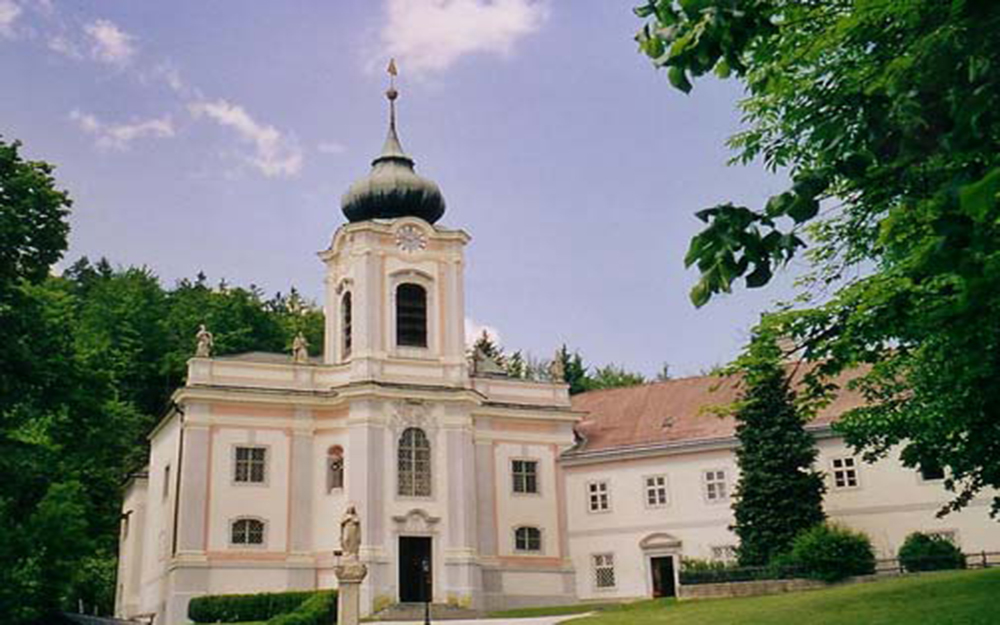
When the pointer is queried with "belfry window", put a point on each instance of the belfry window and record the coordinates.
(334, 468)
(411, 315)
(414, 464)
(345, 322)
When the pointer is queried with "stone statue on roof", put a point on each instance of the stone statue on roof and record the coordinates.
(205, 343)
(300, 349)
(484, 364)
(557, 371)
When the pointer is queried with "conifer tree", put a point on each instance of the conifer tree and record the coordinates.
(779, 493)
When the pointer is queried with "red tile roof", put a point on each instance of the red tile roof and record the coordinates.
(674, 411)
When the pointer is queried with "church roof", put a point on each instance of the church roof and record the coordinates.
(675, 412)
(393, 189)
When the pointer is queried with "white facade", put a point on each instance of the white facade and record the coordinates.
(485, 477)
(887, 502)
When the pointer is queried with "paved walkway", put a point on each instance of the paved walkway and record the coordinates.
(542, 620)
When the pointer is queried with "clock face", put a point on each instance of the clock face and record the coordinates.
(409, 238)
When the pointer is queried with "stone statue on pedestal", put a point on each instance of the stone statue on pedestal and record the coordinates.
(205, 343)
(300, 349)
(350, 533)
(350, 571)
(557, 371)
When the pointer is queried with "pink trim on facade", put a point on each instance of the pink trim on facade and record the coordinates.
(208, 488)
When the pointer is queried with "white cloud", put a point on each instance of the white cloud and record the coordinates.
(120, 136)
(65, 47)
(331, 147)
(430, 35)
(109, 43)
(9, 12)
(474, 329)
(275, 155)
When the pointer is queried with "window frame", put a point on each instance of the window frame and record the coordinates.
(715, 480)
(346, 325)
(541, 540)
(247, 545)
(729, 549)
(646, 488)
(397, 310)
(332, 453)
(536, 475)
(608, 563)
(413, 491)
(854, 468)
(607, 496)
(931, 480)
(235, 461)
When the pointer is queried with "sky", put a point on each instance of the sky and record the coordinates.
(219, 136)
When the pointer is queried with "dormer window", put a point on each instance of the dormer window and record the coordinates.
(411, 315)
(345, 320)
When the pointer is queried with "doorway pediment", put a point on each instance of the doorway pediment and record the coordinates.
(659, 541)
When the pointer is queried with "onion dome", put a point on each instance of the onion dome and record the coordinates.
(393, 189)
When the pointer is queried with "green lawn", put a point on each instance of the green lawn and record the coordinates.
(577, 608)
(964, 597)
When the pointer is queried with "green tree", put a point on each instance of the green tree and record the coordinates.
(886, 116)
(613, 376)
(779, 494)
(574, 371)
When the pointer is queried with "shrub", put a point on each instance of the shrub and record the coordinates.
(695, 571)
(319, 609)
(921, 552)
(250, 607)
(831, 553)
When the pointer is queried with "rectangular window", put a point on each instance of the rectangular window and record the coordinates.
(656, 491)
(845, 473)
(525, 474)
(716, 487)
(604, 570)
(528, 539)
(250, 465)
(598, 498)
(931, 472)
(724, 553)
(949, 535)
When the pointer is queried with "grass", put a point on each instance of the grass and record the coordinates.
(957, 597)
(556, 610)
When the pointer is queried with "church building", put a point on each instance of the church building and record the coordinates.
(473, 488)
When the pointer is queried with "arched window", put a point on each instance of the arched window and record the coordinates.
(247, 532)
(345, 322)
(527, 539)
(414, 464)
(411, 315)
(334, 468)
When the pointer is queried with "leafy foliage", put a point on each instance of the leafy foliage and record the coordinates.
(921, 552)
(886, 115)
(832, 553)
(779, 493)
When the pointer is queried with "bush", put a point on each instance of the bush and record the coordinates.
(237, 608)
(831, 553)
(921, 552)
(319, 609)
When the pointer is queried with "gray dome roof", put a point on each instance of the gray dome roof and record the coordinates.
(392, 189)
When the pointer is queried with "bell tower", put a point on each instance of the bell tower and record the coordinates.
(394, 280)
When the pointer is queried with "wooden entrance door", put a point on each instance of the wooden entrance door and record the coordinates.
(415, 566)
(663, 576)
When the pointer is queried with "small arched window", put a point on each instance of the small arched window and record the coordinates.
(334, 468)
(411, 315)
(247, 532)
(527, 539)
(414, 464)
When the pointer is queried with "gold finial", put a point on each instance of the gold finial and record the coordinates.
(392, 94)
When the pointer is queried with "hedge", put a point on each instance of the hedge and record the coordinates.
(249, 607)
(319, 609)
(831, 553)
(921, 552)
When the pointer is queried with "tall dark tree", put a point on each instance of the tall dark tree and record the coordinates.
(779, 493)
(886, 115)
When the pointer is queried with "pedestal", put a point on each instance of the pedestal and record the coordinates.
(349, 578)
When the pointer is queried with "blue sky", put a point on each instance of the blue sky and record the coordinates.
(219, 137)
